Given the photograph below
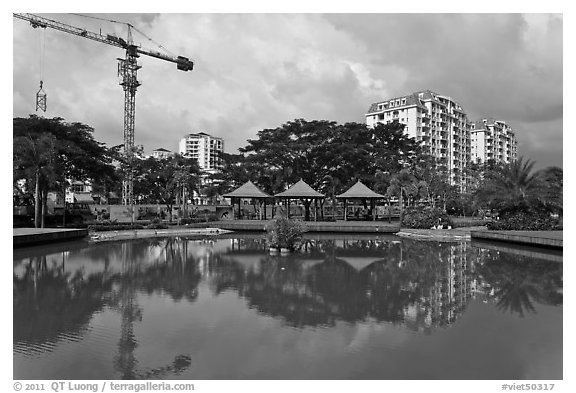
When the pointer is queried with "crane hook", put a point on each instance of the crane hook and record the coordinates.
(41, 98)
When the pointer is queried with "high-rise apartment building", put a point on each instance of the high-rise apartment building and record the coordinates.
(493, 140)
(436, 120)
(204, 148)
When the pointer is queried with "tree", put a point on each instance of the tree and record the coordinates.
(393, 150)
(327, 155)
(404, 184)
(552, 188)
(513, 186)
(164, 180)
(49, 152)
(234, 173)
(34, 160)
(284, 155)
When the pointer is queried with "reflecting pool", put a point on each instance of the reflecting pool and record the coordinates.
(370, 307)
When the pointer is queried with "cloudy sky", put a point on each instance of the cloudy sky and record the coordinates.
(256, 71)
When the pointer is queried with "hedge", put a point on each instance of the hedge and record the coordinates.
(523, 221)
(424, 217)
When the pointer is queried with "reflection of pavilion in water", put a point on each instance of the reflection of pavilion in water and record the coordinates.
(420, 285)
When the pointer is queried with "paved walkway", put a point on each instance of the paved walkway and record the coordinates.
(550, 239)
(313, 226)
(448, 235)
(32, 236)
(553, 239)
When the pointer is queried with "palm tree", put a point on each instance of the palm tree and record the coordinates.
(512, 186)
(34, 159)
(405, 184)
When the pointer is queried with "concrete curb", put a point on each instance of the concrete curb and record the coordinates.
(97, 237)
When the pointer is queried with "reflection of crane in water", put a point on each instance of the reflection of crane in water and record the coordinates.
(125, 361)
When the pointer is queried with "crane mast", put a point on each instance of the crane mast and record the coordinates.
(128, 72)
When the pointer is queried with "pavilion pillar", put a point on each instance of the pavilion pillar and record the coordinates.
(373, 209)
(288, 209)
(345, 211)
(315, 209)
(264, 209)
(307, 203)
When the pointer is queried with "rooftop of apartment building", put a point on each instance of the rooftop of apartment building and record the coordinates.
(490, 121)
(201, 135)
(415, 99)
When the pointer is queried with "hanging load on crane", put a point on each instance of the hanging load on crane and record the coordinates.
(127, 70)
(41, 98)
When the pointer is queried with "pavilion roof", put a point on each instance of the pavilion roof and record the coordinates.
(300, 190)
(247, 190)
(360, 191)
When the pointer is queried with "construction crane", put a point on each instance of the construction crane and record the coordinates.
(127, 70)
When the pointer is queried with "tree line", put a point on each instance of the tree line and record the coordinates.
(330, 157)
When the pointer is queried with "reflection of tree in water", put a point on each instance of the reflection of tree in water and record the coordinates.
(331, 289)
(517, 282)
(419, 284)
(50, 302)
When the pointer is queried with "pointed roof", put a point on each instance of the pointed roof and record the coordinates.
(247, 190)
(300, 190)
(359, 190)
(358, 263)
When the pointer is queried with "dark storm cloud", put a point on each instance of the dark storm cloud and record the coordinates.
(255, 71)
(507, 66)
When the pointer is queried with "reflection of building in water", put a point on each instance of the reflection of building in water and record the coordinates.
(451, 292)
(447, 296)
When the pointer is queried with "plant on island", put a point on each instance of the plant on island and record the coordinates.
(425, 218)
(285, 233)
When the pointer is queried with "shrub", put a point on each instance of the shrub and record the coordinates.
(459, 222)
(114, 227)
(156, 226)
(526, 221)
(285, 233)
(424, 217)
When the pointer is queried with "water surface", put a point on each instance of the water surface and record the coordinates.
(372, 307)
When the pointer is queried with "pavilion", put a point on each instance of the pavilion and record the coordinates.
(361, 192)
(249, 191)
(306, 194)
